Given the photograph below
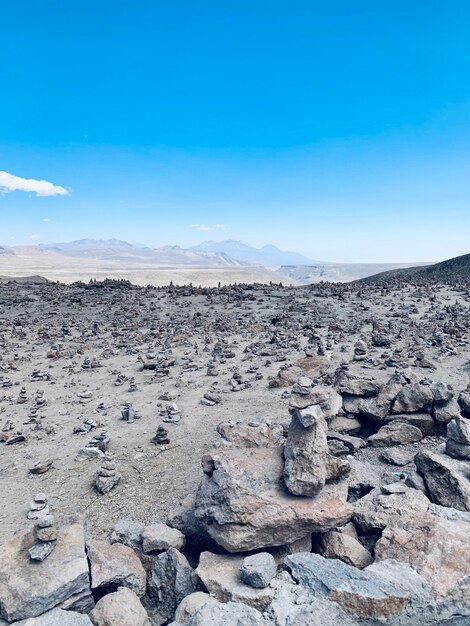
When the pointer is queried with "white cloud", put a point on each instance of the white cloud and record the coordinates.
(9, 182)
(46, 219)
(33, 236)
(206, 227)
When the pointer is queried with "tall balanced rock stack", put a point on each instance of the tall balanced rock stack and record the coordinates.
(308, 464)
(252, 497)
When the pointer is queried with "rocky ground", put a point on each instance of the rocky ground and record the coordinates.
(332, 424)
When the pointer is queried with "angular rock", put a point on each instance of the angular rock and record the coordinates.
(445, 479)
(258, 570)
(191, 605)
(437, 548)
(308, 464)
(413, 398)
(244, 505)
(249, 436)
(225, 614)
(362, 593)
(115, 565)
(169, 582)
(127, 532)
(29, 589)
(381, 506)
(336, 545)
(56, 617)
(395, 433)
(220, 575)
(160, 537)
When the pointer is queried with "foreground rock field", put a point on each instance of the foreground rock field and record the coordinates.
(248, 455)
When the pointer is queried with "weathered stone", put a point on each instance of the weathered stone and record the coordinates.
(308, 463)
(413, 398)
(220, 575)
(258, 570)
(445, 479)
(381, 506)
(225, 614)
(437, 548)
(398, 456)
(360, 592)
(244, 505)
(359, 387)
(121, 608)
(127, 532)
(336, 545)
(28, 589)
(160, 537)
(395, 433)
(169, 582)
(248, 436)
(191, 604)
(56, 617)
(312, 366)
(444, 413)
(115, 565)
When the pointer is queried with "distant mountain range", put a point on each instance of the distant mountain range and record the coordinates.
(227, 253)
(269, 256)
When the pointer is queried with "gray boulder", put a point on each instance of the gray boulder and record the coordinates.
(445, 478)
(258, 570)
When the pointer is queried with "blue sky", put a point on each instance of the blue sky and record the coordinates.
(340, 129)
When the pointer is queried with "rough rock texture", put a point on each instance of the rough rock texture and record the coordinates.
(169, 582)
(244, 505)
(160, 537)
(29, 589)
(220, 575)
(229, 614)
(258, 570)
(308, 464)
(437, 548)
(395, 433)
(413, 398)
(383, 505)
(121, 608)
(361, 592)
(115, 565)
(191, 604)
(335, 545)
(127, 532)
(56, 617)
(260, 436)
(445, 479)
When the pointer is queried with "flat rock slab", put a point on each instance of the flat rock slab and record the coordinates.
(28, 589)
(244, 505)
(360, 592)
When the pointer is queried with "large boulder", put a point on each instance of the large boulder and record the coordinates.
(384, 504)
(445, 478)
(308, 463)
(413, 398)
(363, 593)
(244, 505)
(28, 589)
(115, 565)
(395, 433)
(326, 400)
(437, 548)
(121, 608)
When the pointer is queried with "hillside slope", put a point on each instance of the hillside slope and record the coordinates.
(453, 270)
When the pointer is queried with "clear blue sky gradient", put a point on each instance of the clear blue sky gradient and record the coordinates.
(338, 129)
